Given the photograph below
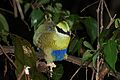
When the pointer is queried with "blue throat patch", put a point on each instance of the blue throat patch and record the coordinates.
(59, 54)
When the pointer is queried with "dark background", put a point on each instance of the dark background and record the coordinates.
(74, 6)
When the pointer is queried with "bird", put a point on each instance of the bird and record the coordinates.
(53, 39)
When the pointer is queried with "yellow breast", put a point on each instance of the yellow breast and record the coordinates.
(55, 41)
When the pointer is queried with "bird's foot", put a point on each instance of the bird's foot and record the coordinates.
(51, 66)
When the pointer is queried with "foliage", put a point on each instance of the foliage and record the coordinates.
(91, 28)
(4, 29)
(84, 41)
(110, 50)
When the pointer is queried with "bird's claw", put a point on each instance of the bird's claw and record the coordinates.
(51, 65)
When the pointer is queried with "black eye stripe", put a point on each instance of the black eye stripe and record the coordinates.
(61, 31)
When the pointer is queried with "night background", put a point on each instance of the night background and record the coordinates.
(93, 34)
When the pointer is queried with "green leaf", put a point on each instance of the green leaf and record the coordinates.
(56, 12)
(19, 54)
(36, 17)
(24, 54)
(118, 43)
(50, 8)
(88, 45)
(79, 46)
(73, 43)
(26, 7)
(117, 22)
(71, 20)
(44, 1)
(3, 24)
(91, 27)
(110, 53)
(70, 23)
(75, 46)
(58, 6)
(55, 17)
(58, 72)
(87, 55)
(4, 28)
(94, 59)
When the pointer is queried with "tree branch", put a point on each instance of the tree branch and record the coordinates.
(72, 59)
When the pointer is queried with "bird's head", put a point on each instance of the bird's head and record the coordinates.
(63, 28)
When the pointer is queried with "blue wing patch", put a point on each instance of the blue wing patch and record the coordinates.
(59, 54)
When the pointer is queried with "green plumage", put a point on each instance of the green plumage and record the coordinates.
(48, 38)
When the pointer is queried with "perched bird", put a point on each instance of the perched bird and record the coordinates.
(53, 40)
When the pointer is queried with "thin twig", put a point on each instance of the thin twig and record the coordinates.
(93, 74)
(21, 75)
(88, 6)
(8, 57)
(75, 73)
(98, 68)
(15, 8)
(28, 77)
(7, 49)
(86, 73)
(101, 17)
(98, 44)
(20, 9)
(5, 68)
(27, 25)
(11, 3)
(82, 64)
(10, 12)
(15, 13)
(107, 10)
(98, 9)
(111, 19)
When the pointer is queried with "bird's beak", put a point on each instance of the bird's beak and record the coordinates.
(69, 33)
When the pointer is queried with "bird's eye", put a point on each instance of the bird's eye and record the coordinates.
(50, 28)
